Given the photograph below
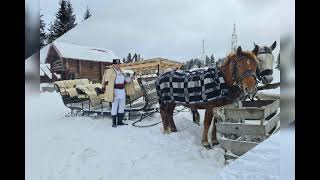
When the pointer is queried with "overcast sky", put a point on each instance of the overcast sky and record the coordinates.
(171, 29)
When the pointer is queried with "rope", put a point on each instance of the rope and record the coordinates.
(154, 124)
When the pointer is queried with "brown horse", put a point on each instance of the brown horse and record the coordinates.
(239, 70)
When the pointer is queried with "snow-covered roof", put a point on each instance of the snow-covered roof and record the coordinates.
(68, 50)
(45, 69)
(43, 53)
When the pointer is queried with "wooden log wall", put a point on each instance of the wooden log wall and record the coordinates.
(91, 70)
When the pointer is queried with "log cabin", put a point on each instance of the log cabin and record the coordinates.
(72, 61)
(45, 74)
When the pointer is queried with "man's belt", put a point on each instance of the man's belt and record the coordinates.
(119, 86)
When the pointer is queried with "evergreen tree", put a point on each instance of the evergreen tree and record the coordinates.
(190, 63)
(212, 59)
(43, 35)
(129, 58)
(198, 63)
(87, 14)
(64, 21)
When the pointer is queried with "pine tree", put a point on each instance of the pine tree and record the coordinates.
(190, 64)
(198, 63)
(64, 21)
(212, 59)
(43, 35)
(87, 14)
(129, 58)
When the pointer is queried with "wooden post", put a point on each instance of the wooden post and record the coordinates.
(100, 71)
(239, 104)
(80, 69)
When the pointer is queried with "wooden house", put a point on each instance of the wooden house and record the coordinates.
(46, 76)
(72, 61)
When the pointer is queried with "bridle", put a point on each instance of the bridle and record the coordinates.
(264, 50)
(235, 72)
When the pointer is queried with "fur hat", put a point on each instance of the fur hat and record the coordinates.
(116, 61)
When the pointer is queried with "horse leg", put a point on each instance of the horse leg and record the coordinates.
(195, 116)
(163, 113)
(170, 118)
(207, 122)
(214, 139)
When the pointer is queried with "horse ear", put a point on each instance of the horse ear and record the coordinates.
(273, 45)
(255, 50)
(239, 51)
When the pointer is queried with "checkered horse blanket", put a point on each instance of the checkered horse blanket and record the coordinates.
(191, 87)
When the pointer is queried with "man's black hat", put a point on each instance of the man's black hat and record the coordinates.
(116, 61)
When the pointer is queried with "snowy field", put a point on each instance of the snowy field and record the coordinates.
(82, 148)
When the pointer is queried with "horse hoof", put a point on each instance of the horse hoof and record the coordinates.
(174, 130)
(207, 146)
(166, 131)
(197, 123)
(215, 143)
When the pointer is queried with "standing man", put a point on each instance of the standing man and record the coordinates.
(116, 86)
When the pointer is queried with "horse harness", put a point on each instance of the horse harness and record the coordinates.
(264, 50)
(235, 72)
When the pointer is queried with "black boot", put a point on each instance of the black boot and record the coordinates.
(120, 118)
(114, 121)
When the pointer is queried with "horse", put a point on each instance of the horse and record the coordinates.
(238, 77)
(265, 59)
(264, 70)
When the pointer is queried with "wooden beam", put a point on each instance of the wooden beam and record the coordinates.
(244, 113)
(271, 108)
(237, 147)
(240, 129)
(269, 86)
(269, 125)
(252, 112)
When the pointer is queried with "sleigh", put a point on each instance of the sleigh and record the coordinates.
(83, 97)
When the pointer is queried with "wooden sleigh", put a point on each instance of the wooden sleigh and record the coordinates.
(86, 98)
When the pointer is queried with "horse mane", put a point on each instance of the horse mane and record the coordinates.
(233, 56)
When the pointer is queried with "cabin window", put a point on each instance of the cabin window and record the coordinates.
(91, 65)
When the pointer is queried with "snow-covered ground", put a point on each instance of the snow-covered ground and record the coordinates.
(261, 162)
(62, 148)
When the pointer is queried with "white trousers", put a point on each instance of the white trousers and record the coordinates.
(119, 102)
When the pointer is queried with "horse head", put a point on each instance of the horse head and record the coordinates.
(240, 70)
(265, 62)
